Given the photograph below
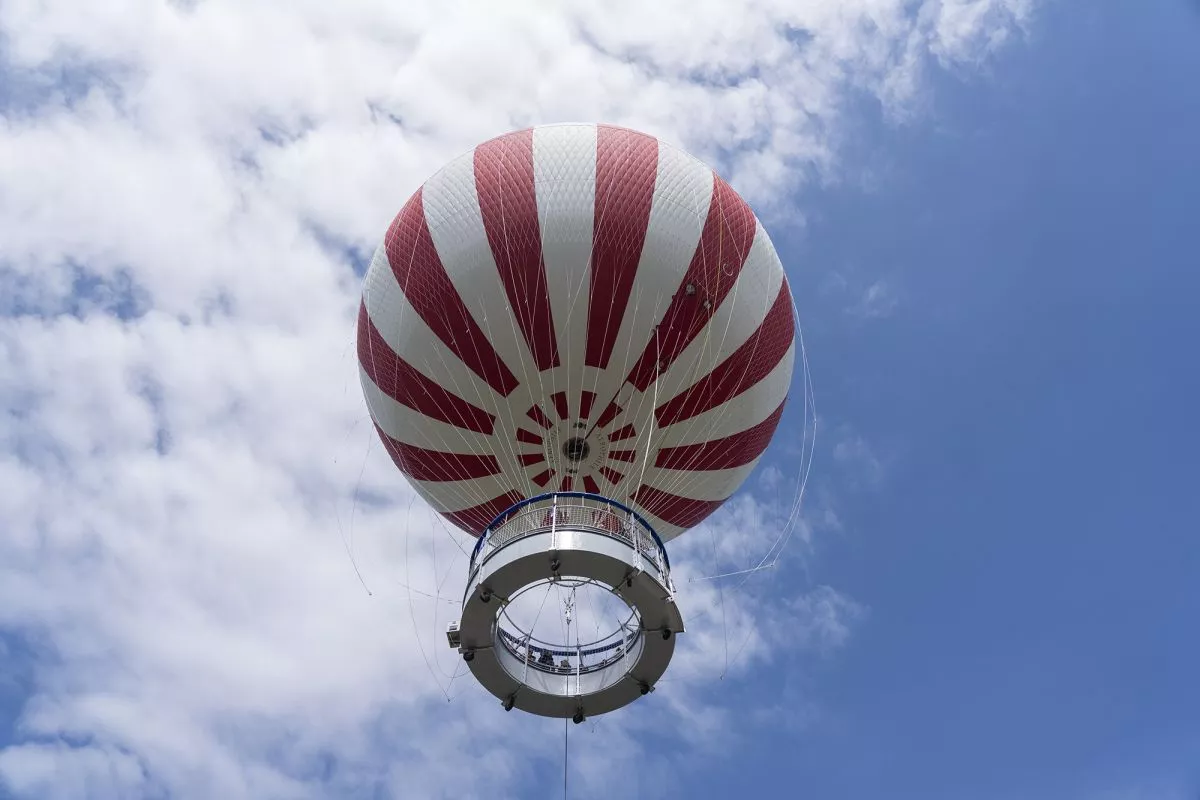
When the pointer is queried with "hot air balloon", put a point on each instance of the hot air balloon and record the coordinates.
(575, 341)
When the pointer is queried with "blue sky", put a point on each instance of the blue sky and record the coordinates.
(997, 281)
(1029, 556)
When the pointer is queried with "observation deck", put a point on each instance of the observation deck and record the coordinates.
(569, 544)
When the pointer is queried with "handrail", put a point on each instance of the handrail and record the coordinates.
(510, 513)
(630, 625)
(511, 642)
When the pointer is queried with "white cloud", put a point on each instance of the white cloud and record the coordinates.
(183, 186)
(857, 458)
(860, 293)
(879, 300)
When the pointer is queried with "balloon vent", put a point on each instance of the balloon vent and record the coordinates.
(576, 449)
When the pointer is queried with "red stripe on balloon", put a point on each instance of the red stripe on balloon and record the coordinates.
(590, 485)
(626, 171)
(748, 365)
(683, 512)
(529, 459)
(542, 478)
(586, 400)
(477, 518)
(611, 475)
(720, 255)
(624, 432)
(504, 181)
(434, 465)
(609, 414)
(422, 277)
(529, 437)
(400, 381)
(727, 453)
(567, 483)
(622, 455)
(560, 404)
(536, 414)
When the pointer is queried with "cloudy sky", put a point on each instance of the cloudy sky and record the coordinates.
(214, 585)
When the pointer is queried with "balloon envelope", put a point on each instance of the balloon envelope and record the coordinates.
(576, 308)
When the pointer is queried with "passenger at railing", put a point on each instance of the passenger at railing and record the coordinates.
(564, 665)
(545, 659)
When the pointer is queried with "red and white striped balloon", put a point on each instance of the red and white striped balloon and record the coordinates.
(576, 308)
